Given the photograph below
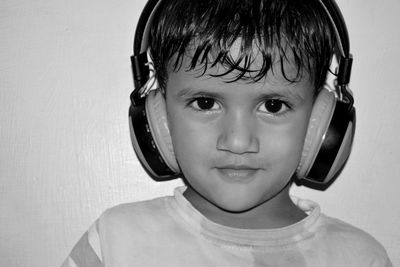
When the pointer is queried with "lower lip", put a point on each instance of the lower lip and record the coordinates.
(237, 175)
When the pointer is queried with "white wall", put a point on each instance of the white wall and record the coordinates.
(65, 152)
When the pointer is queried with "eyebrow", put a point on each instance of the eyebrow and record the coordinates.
(283, 91)
(290, 93)
(190, 91)
(184, 92)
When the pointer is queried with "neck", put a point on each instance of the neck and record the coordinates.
(276, 212)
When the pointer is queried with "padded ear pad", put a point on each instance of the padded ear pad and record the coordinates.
(318, 125)
(151, 139)
(158, 122)
(328, 140)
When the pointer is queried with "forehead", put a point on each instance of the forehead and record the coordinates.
(208, 76)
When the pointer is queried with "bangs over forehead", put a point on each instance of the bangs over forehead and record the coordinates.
(297, 32)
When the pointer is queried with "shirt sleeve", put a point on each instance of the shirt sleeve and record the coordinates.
(87, 252)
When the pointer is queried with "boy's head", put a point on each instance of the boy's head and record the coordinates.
(277, 31)
(240, 79)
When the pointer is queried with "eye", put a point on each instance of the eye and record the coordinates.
(204, 103)
(274, 107)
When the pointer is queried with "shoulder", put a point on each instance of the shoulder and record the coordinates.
(122, 227)
(342, 231)
(127, 214)
(353, 242)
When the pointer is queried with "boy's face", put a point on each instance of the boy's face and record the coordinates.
(237, 143)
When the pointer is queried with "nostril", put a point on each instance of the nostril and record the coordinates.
(238, 142)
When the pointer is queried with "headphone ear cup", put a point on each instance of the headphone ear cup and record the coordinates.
(320, 118)
(328, 141)
(158, 122)
(151, 139)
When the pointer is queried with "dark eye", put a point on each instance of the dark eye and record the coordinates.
(274, 106)
(204, 103)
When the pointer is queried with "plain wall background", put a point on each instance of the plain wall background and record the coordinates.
(65, 152)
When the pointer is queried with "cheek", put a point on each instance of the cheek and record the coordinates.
(192, 141)
(295, 134)
(283, 145)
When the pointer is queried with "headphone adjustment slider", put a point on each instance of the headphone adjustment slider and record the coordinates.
(345, 70)
(140, 69)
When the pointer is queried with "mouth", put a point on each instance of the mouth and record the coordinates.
(234, 173)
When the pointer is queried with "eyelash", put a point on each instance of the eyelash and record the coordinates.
(276, 101)
(194, 104)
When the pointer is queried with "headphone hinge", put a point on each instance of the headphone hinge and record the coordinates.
(140, 76)
(136, 99)
(343, 79)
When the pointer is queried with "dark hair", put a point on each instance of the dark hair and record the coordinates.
(297, 31)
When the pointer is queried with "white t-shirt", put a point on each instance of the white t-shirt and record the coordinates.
(169, 231)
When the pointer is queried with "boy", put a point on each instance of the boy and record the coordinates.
(239, 81)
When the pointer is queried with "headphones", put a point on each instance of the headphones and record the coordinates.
(329, 135)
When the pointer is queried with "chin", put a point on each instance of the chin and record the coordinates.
(236, 205)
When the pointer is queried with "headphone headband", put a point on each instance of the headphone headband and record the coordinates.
(142, 28)
(336, 17)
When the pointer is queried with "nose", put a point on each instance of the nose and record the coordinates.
(238, 133)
